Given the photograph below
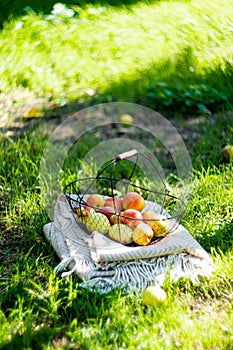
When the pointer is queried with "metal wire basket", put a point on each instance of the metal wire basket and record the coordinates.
(123, 209)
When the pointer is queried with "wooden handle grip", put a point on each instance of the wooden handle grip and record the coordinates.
(126, 155)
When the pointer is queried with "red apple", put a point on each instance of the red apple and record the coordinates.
(115, 202)
(131, 217)
(106, 210)
(142, 234)
(95, 200)
(133, 200)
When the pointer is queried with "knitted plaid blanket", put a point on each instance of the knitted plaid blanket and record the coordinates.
(103, 264)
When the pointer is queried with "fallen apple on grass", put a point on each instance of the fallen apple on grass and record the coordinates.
(126, 119)
(153, 296)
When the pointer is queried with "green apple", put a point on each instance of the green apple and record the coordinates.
(121, 233)
(126, 119)
(154, 295)
(97, 222)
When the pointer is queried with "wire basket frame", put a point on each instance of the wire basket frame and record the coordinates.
(123, 209)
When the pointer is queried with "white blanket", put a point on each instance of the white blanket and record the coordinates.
(103, 264)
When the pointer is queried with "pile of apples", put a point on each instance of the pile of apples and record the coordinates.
(124, 220)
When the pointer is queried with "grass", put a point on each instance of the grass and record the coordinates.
(41, 311)
(49, 312)
(116, 53)
(38, 310)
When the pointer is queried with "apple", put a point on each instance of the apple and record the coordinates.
(154, 295)
(227, 152)
(84, 211)
(142, 234)
(131, 217)
(121, 233)
(150, 217)
(126, 119)
(106, 210)
(133, 200)
(98, 222)
(95, 200)
(115, 219)
(115, 202)
(160, 227)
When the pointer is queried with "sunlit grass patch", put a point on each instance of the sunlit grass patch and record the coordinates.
(118, 52)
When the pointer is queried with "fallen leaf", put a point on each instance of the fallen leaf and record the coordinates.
(34, 112)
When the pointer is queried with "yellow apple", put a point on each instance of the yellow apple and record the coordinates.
(227, 152)
(142, 234)
(150, 217)
(160, 227)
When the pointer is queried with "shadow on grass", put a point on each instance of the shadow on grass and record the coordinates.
(212, 135)
(40, 326)
(36, 340)
(174, 87)
(220, 239)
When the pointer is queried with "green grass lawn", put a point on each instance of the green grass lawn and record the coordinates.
(41, 311)
(119, 53)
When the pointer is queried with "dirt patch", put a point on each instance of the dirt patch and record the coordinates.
(17, 117)
(15, 107)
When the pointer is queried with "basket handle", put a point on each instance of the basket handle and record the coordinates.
(126, 155)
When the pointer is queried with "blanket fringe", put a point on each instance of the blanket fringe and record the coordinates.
(134, 276)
